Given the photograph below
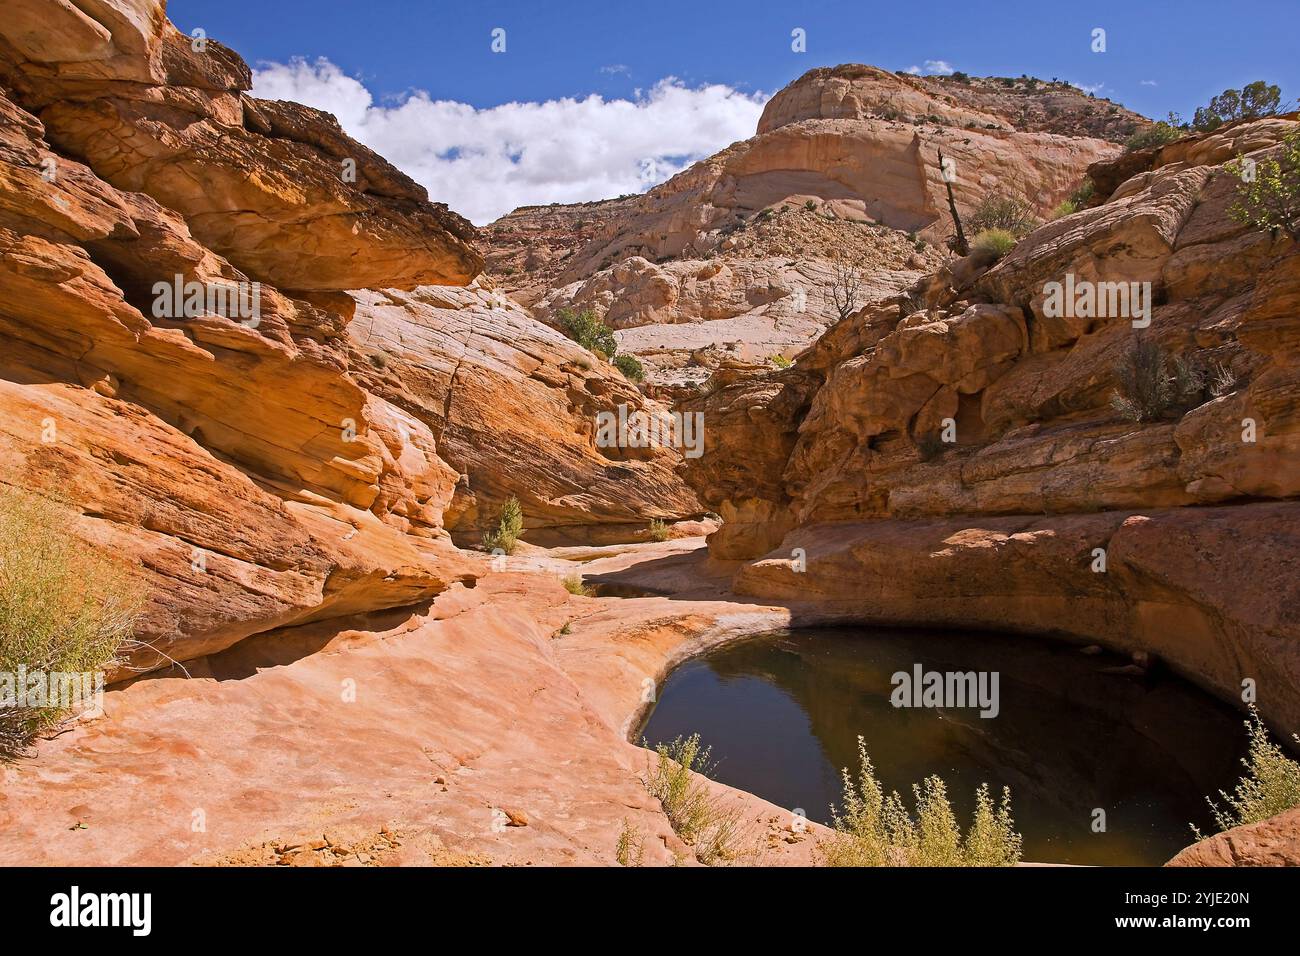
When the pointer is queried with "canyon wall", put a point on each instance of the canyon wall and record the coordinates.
(952, 455)
(734, 258)
(262, 469)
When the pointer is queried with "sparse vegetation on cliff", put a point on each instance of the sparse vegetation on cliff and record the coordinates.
(1270, 786)
(1269, 196)
(1150, 382)
(573, 583)
(873, 829)
(588, 330)
(1003, 212)
(65, 609)
(1158, 133)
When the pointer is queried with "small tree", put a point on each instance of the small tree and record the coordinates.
(1250, 102)
(845, 289)
(1269, 197)
(960, 245)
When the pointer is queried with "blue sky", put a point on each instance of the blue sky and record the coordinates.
(1160, 56)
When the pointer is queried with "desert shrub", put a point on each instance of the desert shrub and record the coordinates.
(659, 530)
(1270, 199)
(1005, 212)
(993, 243)
(510, 525)
(1150, 383)
(588, 330)
(1270, 786)
(1081, 196)
(1250, 102)
(632, 370)
(695, 815)
(1158, 133)
(780, 361)
(573, 583)
(873, 829)
(630, 849)
(65, 608)
(1066, 207)
(810, 205)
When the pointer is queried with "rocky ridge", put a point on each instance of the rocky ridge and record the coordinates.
(733, 257)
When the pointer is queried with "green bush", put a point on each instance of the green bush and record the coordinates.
(877, 830)
(1066, 207)
(632, 370)
(1271, 200)
(588, 330)
(1270, 786)
(780, 361)
(659, 530)
(65, 608)
(993, 243)
(1083, 195)
(1159, 133)
(510, 525)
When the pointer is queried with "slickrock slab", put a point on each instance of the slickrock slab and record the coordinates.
(465, 731)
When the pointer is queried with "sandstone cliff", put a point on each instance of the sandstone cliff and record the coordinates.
(262, 471)
(844, 457)
(733, 258)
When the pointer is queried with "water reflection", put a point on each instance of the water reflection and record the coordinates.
(783, 711)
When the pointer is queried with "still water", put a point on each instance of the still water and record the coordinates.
(783, 711)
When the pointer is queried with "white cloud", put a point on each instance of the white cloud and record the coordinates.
(1148, 83)
(942, 67)
(1093, 88)
(485, 162)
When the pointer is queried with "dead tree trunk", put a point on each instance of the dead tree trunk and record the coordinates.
(961, 247)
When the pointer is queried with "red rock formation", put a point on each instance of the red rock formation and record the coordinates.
(736, 252)
(1271, 842)
(853, 432)
(241, 465)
